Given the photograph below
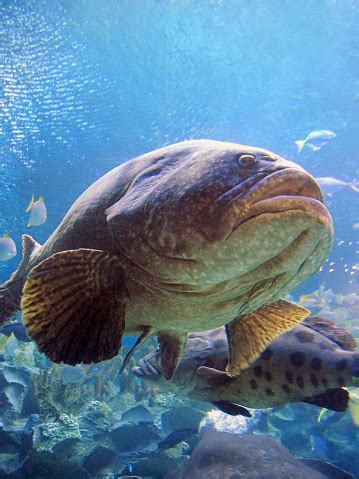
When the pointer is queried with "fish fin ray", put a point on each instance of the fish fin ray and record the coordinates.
(328, 328)
(250, 334)
(74, 309)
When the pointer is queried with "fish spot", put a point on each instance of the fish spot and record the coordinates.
(340, 381)
(314, 380)
(258, 371)
(297, 358)
(304, 336)
(289, 376)
(268, 376)
(342, 365)
(326, 345)
(316, 363)
(253, 384)
(269, 392)
(300, 382)
(267, 354)
(324, 382)
(285, 388)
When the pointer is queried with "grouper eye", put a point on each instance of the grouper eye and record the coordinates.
(246, 160)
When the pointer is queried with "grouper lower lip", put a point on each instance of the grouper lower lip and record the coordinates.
(284, 190)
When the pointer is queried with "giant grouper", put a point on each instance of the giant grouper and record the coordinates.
(190, 237)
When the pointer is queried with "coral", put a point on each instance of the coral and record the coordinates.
(51, 434)
(56, 398)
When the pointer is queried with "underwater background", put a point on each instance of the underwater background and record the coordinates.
(85, 85)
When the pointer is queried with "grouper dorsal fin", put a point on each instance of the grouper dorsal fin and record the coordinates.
(328, 328)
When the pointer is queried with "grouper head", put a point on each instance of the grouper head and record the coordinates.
(226, 218)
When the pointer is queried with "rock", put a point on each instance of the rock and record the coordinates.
(222, 455)
(54, 434)
(135, 437)
(96, 420)
(99, 458)
(181, 417)
(137, 414)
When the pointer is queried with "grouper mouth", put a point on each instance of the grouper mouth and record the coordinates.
(274, 231)
(286, 189)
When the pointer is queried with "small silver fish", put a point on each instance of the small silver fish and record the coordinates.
(315, 140)
(331, 185)
(7, 248)
(37, 210)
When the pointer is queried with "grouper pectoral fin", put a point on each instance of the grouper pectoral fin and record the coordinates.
(171, 347)
(250, 334)
(74, 306)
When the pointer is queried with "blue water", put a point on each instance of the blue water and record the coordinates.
(88, 84)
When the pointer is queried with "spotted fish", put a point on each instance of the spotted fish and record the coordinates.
(189, 237)
(310, 363)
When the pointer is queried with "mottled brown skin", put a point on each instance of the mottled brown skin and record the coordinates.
(300, 364)
(188, 237)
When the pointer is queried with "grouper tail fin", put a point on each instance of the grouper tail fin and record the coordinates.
(10, 292)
